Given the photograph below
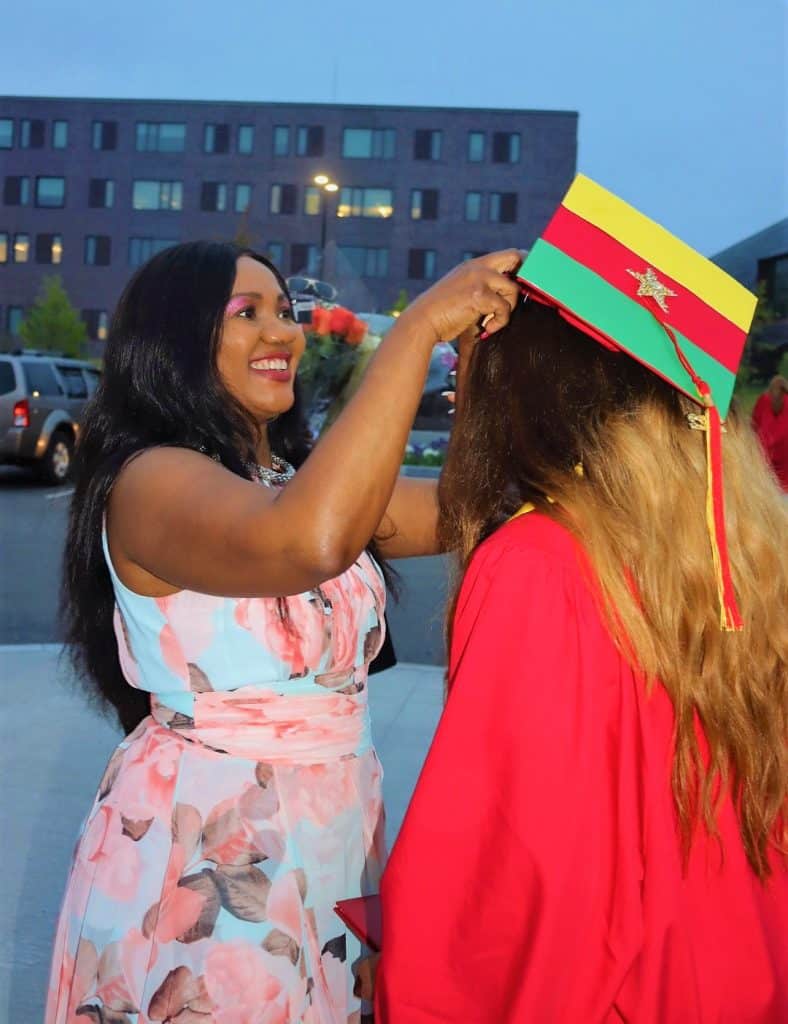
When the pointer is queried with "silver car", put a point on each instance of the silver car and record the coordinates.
(42, 399)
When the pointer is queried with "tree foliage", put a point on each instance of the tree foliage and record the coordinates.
(53, 324)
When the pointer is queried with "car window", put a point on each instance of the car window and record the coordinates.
(41, 378)
(75, 382)
(7, 377)
(92, 379)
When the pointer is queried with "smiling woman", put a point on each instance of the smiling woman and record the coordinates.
(231, 625)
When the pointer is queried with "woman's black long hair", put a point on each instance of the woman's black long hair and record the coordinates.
(160, 386)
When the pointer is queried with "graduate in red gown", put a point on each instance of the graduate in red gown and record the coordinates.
(770, 421)
(598, 833)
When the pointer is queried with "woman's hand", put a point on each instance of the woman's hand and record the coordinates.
(477, 291)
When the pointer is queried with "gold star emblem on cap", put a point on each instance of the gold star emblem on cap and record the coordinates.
(652, 288)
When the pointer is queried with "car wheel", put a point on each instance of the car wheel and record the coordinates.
(55, 467)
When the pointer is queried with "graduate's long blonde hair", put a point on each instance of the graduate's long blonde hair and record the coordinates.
(541, 398)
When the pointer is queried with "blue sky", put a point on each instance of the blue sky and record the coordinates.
(682, 102)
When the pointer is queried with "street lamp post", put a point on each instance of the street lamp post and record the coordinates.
(328, 186)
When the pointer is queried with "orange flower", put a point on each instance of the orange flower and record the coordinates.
(340, 320)
(356, 332)
(320, 320)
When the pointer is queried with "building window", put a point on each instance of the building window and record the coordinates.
(13, 319)
(59, 134)
(503, 207)
(98, 250)
(427, 144)
(6, 133)
(160, 137)
(365, 202)
(473, 206)
(424, 204)
(3, 247)
(506, 147)
(309, 140)
(472, 254)
(312, 196)
(476, 147)
(97, 323)
(304, 258)
(281, 140)
(364, 261)
(141, 249)
(421, 264)
(101, 193)
(31, 133)
(105, 135)
(276, 253)
(243, 198)
(283, 199)
(49, 248)
(157, 195)
(51, 192)
(246, 139)
(369, 143)
(21, 247)
(213, 196)
(216, 138)
(16, 191)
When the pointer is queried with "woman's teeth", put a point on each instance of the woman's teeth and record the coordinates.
(269, 364)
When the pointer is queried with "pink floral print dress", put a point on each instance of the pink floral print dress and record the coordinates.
(232, 819)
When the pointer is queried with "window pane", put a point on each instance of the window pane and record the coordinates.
(50, 192)
(243, 198)
(281, 140)
(41, 378)
(3, 247)
(14, 318)
(357, 142)
(6, 133)
(415, 204)
(59, 134)
(495, 206)
(209, 137)
(429, 263)
(475, 146)
(377, 202)
(473, 205)
(57, 248)
(245, 139)
(145, 195)
(109, 194)
(21, 248)
(276, 251)
(7, 377)
(276, 199)
(311, 200)
(221, 198)
(172, 138)
(74, 381)
(514, 148)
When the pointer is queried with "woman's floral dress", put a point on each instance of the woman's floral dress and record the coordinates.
(231, 820)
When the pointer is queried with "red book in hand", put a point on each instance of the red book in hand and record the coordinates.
(362, 916)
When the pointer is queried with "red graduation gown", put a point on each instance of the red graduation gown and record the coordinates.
(537, 876)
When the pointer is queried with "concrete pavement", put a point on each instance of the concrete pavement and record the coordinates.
(53, 749)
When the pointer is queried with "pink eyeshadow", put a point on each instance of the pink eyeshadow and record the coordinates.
(236, 303)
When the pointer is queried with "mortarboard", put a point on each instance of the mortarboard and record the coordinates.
(628, 283)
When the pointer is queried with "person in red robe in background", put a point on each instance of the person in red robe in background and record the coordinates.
(598, 834)
(770, 422)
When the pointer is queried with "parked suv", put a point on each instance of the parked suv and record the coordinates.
(42, 398)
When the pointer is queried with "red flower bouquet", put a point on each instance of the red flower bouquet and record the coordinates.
(332, 343)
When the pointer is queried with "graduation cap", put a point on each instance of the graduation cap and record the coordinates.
(628, 283)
